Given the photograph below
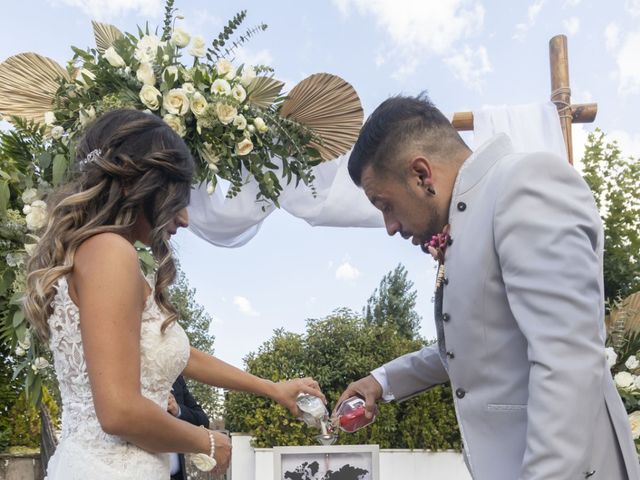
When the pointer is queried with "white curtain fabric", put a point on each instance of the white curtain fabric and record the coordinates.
(232, 222)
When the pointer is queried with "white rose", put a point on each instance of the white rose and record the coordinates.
(40, 363)
(36, 215)
(632, 363)
(147, 49)
(171, 71)
(87, 116)
(180, 38)
(197, 47)
(260, 125)
(176, 123)
(20, 352)
(176, 101)
(248, 75)
(239, 93)
(634, 421)
(244, 147)
(225, 69)
(220, 87)
(146, 74)
(240, 122)
(49, 118)
(113, 58)
(226, 113)
(189, 88)
(150, 97)
(29, 195)
(251, 129)
(624, 380)
(636, 383)
(198, 104)
(612, 356)
(203, 462)
(57, 132)
(84, 76)
(30, 248)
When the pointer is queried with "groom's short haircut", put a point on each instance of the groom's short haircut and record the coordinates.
(398, 123)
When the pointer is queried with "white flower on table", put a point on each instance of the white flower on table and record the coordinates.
(36, 215)
(260, 125)
(239, 93)
(198, 103)
(197, 47)
(176, 123)
(624, 380)
(113, 58)
(146, 74)
(176, 102)
(248, 75)
(180, 38)
(632, 363)
(244, 147)
(150, 96)
(634, 420)
(612, 356)
(225, 69)
(189, 88)
(147, 49)
(226, 113)
(220, 87)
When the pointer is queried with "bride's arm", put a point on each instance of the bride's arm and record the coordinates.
(109, 290)
(207, 369)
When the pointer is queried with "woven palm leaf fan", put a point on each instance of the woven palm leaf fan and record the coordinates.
(28, 83)
(626, 315)
(330, 107)
(264, 90)
(105, 35)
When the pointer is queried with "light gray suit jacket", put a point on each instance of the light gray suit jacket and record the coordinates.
(520, 324)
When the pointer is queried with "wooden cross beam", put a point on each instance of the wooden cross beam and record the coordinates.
(560, 95)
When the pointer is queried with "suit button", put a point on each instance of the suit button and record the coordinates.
(445, 317)
(460, 393)
(450, 355)
(462, 206)
(449, 241)
(445, 280)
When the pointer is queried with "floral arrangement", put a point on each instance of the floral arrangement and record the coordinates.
(623, 357)
(234, 118)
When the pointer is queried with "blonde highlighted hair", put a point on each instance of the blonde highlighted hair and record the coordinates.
(139, 165)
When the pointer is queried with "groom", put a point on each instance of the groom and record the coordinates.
(519, 297)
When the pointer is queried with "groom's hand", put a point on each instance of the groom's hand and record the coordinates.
(367, 388)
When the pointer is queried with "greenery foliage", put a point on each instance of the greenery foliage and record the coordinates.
(615, 182)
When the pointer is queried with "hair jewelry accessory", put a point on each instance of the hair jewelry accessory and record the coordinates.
(91, 157)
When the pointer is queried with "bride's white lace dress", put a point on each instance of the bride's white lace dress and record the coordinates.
(85, 451)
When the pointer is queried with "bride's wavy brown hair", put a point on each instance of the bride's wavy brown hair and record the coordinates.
(143, 168)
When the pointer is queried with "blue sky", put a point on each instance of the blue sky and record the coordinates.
(465, 53)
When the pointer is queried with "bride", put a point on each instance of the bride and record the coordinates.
(116, 345)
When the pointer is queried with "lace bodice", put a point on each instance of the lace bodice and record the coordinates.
(162, 359)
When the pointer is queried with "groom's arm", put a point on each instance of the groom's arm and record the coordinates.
(190, 409)
(548, 238)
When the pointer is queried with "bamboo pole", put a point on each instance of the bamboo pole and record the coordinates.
(560, 89)
(580, 113)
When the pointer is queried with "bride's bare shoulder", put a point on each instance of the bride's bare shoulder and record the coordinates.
(106, 251)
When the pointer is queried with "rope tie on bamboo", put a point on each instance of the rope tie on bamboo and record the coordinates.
(564, 107)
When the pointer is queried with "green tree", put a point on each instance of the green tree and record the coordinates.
(393, 303)
(615, 182)
(196, 322)
(337, 350)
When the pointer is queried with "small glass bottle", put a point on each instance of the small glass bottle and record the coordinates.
(350, 415)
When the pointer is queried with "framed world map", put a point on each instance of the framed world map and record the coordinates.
(339, 462)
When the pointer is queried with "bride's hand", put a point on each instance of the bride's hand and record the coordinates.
(286, 392)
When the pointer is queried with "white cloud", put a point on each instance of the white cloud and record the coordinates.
(244, 305)
(572, 25)
(105, 9)
(532, 14)
(346, 271)
(633, 7)
(612, 36)
(417, 29)
(470, 66)
(628, 64)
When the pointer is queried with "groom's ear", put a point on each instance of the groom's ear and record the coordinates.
(421, 171)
